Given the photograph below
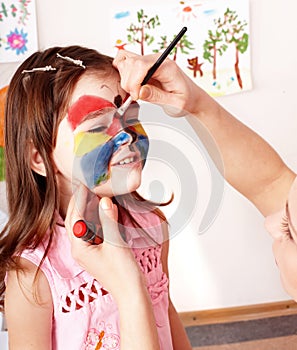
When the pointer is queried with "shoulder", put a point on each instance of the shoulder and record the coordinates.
(28, 297)
(28, 282)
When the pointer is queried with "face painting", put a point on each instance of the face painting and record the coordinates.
(99, 133)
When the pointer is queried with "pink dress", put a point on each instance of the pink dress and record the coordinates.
(85, 315)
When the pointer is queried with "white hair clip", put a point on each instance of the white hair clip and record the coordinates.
(69, 59)
(39, 69)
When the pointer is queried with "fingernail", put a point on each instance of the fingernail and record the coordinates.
(106, 203)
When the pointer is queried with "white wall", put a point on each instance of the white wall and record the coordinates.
(231, 264)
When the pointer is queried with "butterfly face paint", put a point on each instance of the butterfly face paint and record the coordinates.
(100, 135)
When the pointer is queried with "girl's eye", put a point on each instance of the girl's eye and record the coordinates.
(285, 226)
(98, 129)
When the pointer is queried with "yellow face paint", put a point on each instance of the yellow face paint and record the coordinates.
(84, 142)
(138, 128)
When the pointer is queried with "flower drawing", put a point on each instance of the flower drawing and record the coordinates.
(17, 41)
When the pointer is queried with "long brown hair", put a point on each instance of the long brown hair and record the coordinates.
(35, 105)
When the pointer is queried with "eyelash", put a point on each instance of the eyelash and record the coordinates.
(285, 225)
(102, 128)
(98, 129)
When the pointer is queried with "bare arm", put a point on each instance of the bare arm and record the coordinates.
(137, 322)
(28, 310)
(180, 339)
(249, 164)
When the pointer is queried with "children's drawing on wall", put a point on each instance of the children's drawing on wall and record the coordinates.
(18, 34)
(215, 51)
(2, 103)
(3, 204)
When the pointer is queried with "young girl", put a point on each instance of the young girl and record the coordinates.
(62, 134)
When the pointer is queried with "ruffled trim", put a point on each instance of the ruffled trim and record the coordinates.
(158, 289)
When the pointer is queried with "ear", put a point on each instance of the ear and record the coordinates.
(36, 161)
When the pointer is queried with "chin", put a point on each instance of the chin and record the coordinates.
(119, 184)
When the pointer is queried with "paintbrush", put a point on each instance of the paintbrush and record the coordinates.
(121, 110)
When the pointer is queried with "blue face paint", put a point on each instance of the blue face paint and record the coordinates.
(95, 165)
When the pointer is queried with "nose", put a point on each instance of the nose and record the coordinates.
(125, 137)
(117, 124)
(122, 133)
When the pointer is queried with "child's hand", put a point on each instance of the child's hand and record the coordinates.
(170, 86)
(112, 262)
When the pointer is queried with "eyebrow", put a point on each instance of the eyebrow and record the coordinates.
(85, 107)
(90, 116)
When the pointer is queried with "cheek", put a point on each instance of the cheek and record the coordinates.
(142, 142)
(95, 165)
(63, 152)
(92, 156)
(86, 142)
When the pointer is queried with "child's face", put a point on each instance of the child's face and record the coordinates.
(97, 147)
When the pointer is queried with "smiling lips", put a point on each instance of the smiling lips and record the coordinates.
(126, 160)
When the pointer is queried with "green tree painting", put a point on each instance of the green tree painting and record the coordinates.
(234, 33)
(213, 46)
(140, 33)
(183, 46)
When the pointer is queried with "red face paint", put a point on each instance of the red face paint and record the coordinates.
(117, 123)
(85, 105)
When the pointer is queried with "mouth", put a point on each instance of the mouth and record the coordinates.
(126, 161)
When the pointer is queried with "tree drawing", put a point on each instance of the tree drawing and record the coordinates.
(184, 45)
(138, 33)
(233, 30)
(212, 46)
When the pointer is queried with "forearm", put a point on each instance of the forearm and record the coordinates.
(137, 322)
(245, 159)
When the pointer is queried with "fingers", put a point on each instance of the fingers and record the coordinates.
(169, 101)
(133, 69)
(76, 208)
(169, 86)
(108, 214)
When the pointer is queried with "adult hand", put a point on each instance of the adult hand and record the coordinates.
(111, 262)
(169, 86)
